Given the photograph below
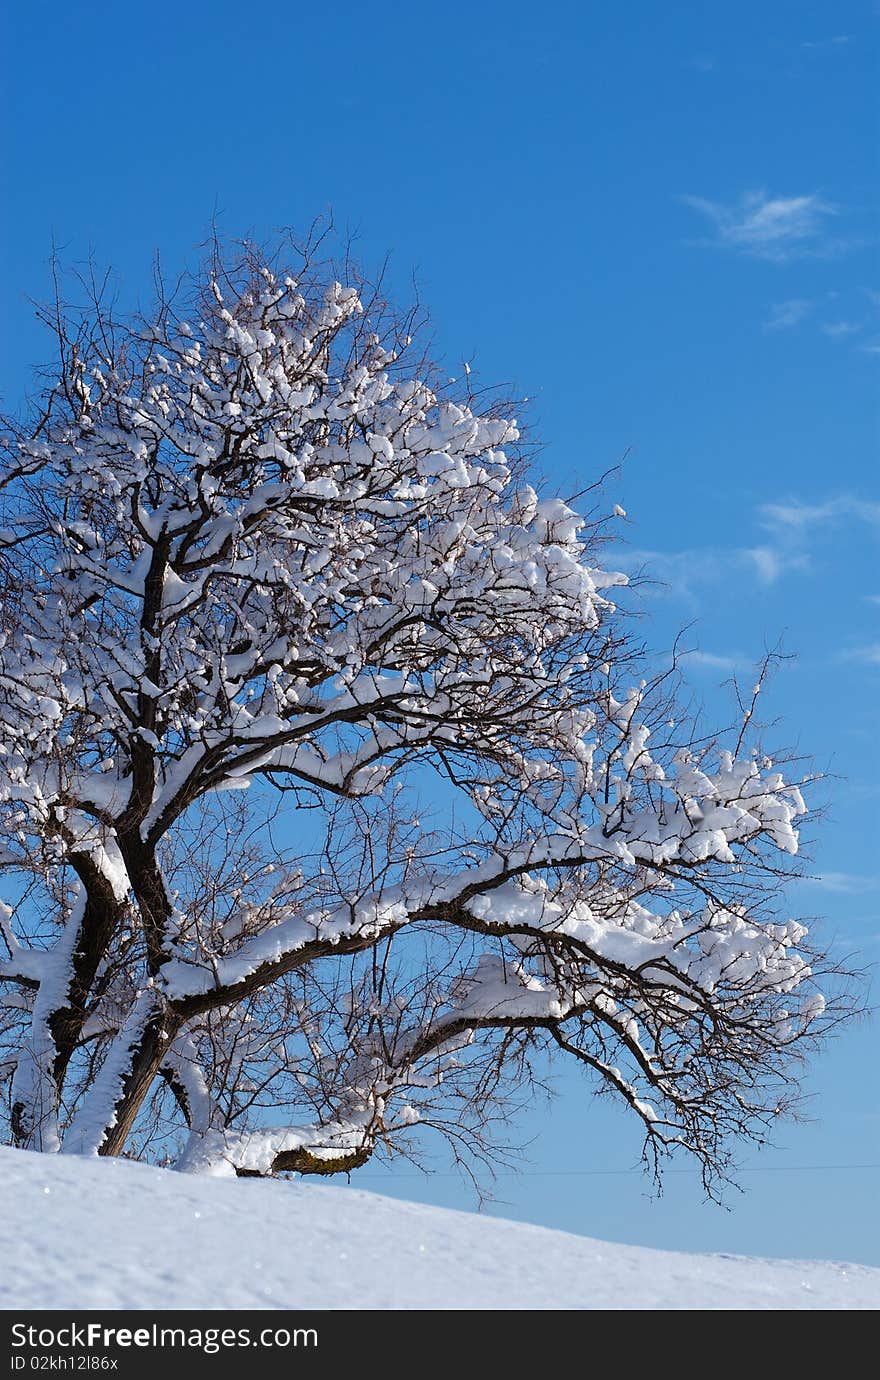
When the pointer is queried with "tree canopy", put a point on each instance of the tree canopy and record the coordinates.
(333, 797)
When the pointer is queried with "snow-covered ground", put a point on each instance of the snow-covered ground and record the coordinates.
(79, 1233)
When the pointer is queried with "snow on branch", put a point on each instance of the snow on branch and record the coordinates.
(256, 541)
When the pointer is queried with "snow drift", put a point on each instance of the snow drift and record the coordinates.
(87, 1234)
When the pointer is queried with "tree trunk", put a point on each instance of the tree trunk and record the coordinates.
(145, 1063)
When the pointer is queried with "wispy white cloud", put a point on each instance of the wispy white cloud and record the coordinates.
(846, 883)
(784, 315)
(793, 311)
(682, 573)
(789, 525)
(872, 347)
(827, 45)
(769, 227)
(797, 517)
(678, 573)
(839, 330)
(771, 562)
(703, 62)
(715, 661)
(868, 655)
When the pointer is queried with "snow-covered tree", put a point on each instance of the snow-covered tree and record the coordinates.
(253, 541)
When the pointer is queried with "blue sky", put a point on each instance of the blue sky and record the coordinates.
(659, 223)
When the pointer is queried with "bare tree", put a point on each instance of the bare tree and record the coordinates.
(255, 542)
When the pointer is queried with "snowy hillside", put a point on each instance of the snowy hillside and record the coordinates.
(78, 1233)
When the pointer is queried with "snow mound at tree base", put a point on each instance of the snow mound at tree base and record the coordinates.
(88, 1234)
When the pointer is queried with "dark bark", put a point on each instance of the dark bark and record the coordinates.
(304, 1162)
(146, 1062)
(101, 915)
